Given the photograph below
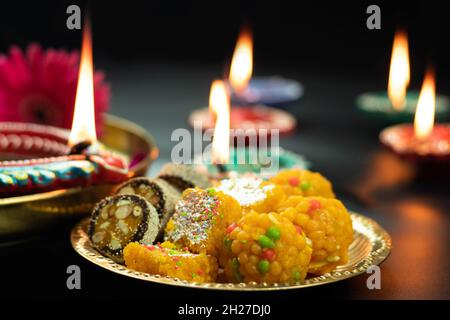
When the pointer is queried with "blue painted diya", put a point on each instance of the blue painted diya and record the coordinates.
(271, 91)
(378, 107)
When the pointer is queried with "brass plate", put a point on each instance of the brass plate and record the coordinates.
(371, 245)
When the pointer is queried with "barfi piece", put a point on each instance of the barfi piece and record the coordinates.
(200, 221)
(175, 263)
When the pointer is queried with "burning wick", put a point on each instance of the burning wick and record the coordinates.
(221, 168)
(425, 143)
(88, 148)
(80, 147)
(83, 123)
(87, 164)
(83, 137)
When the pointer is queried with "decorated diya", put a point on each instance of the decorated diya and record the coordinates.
(275, 91)
(48, 173)
(398, 105)
(423, 143)
(22, 214)
(252, 159)
(378, 107)
(247, 91)
(252, 98)
(248, 118)
(252, 148)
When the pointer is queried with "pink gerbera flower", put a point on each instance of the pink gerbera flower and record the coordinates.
(39, 86)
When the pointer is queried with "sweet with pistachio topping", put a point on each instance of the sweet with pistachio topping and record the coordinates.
(201, 219)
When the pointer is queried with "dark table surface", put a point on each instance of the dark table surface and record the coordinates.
(338, 141)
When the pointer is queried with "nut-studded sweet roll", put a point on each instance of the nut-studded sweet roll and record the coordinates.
(119, 220)
(158, 192)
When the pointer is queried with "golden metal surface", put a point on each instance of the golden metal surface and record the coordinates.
(30, 213)
(371, 246)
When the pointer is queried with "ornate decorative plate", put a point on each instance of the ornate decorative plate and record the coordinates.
(371, 246)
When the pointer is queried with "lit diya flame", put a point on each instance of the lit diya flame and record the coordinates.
(424, 117)
(219, 104)
(85, 165)
(83, 138)
(425, 141)
(242, 62)
(399, 74)
(83, 124)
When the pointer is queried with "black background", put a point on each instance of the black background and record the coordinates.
(322, 36)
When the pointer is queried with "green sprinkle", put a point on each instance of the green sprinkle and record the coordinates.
(235, 264)
(305, 185)
(297, 275)
(194, 275)
(211, 192)
(273, 233)
(243, 241)
(238, 276)
(179, 263)
(265, 242)
(263, 266)
(227, 242)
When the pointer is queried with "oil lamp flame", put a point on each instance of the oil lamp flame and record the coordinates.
(83, 124)
(424, 117)
(219, 105)
(242, 62)
(399, 73)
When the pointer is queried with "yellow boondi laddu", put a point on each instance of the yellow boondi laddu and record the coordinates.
(200, 221)
(167, 261)
(274, 197)
(303, 183)
(266, 247)
(252, 192)
(327, 223)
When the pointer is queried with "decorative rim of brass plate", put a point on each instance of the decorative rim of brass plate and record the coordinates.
(371, 246)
